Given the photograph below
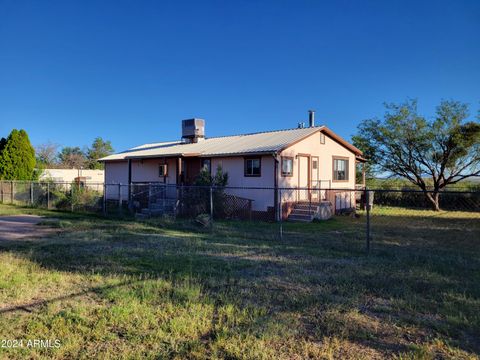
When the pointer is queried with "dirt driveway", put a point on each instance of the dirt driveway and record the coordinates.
(20, 227)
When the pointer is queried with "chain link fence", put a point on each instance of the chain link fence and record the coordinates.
(363, 218)
(188, 202)
(73, 196)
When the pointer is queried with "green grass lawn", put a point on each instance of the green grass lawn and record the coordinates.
(121, 289)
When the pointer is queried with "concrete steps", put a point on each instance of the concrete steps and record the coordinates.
(301, 218)
(158, 207)
(304, 212)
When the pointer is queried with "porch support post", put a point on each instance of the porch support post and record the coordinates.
(179, 170)
(178, 185)
(130, 183)
(363, 175)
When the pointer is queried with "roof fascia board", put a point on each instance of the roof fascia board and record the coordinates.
(113, 160)
(342, 141)
(192, 155)
(253, 153)
(154, 156)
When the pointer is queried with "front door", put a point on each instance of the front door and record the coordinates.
(191, 170)
(303, 178)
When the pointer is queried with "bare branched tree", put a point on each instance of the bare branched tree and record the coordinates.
(72, 157)
(46, 154)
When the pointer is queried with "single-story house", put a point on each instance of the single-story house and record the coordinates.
(312, 158)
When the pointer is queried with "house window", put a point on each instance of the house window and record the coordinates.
(322, 138)
(207, 165)
(340, 169)
(287, 166)
(314, 164)
(162, 170)
(252, 167)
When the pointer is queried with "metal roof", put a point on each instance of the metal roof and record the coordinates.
(256, 143)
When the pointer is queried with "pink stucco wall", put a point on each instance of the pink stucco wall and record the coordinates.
(142, 171)
(325, 153)
(147, 171)
(235, 168)
(116, 173)
(309, 146)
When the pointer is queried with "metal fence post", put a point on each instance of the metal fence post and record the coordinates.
(72, 192)
(309, 202)
(1, 190)
(120, 198)
(130, 188)
(150, 194)
(104, 199)
(211, 204)
(31, 193)
(367, 201)
(12, 193)
(48, 195)
(280, 208)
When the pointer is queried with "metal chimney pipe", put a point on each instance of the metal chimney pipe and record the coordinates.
(311, 118)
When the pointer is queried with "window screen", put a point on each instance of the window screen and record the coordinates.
(207, 165)
(287, 166)
(252, 167)
(340, 169)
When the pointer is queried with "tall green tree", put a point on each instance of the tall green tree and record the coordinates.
(361, 143)
(3, 142)
(430, 154)
(17, 157)
(98, 150)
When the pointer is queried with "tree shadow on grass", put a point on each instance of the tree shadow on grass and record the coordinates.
(33, 305)
(299, 274)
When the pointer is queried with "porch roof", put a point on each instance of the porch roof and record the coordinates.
(256, 143)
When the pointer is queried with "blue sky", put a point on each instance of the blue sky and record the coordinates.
(129, 71)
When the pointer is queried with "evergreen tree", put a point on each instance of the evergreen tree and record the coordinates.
(17, 157)
(99, 149)
(3, 142)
